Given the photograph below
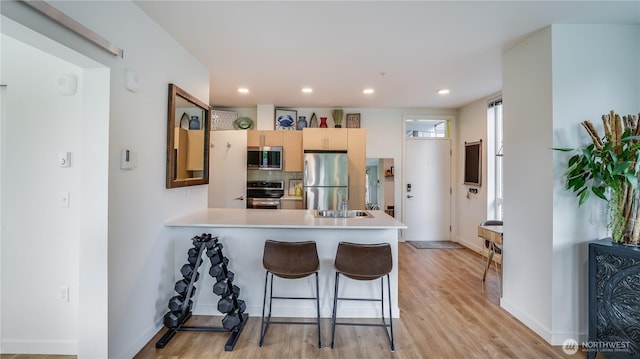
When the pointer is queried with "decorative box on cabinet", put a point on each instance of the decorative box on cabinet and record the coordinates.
(614, 300)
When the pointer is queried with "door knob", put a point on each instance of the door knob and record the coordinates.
(409, 196)
(241, 198)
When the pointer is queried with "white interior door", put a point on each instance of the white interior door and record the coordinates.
(427, 189)
(228, 169)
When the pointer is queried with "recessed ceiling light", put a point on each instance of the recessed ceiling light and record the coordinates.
(367, 91)
(307, 90)
(443, 91)
(243, 90)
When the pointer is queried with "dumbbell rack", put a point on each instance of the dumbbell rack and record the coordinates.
(180, 306)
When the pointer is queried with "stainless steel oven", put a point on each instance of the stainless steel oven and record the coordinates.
(264, 203)
(264, 194)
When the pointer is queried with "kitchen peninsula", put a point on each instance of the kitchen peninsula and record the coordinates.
(243, 232)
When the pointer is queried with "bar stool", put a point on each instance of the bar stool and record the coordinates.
(289, 260)
(364, 262)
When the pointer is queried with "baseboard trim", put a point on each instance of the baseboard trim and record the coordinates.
(53, 347)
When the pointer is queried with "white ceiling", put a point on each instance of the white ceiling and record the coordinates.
(406, 51)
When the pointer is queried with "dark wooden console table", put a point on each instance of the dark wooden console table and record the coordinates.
(614, 300)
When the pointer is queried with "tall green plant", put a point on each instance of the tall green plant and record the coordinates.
(609, 168)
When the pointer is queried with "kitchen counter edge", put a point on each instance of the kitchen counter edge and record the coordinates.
(283, 218)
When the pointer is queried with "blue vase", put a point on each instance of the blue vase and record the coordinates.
(194, 124)
(302, 122)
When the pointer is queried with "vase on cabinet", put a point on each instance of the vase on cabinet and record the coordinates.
(302, 122)
(323, 122)
(313, 123)
(194, 124)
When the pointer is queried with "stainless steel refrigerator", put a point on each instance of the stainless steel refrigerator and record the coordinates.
(326, 179)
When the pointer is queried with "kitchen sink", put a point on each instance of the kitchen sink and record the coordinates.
(340, 214)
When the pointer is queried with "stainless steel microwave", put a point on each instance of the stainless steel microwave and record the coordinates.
(264, 158)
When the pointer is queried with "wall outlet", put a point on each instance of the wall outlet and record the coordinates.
(64, 199)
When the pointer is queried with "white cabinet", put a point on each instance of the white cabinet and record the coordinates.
(228, 169)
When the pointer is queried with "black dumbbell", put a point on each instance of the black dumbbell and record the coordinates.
(231, 321)
(172, 319)
(225, 305)
(182, 286)
(215, 250)
(193, 256)
(219, 273)
(176, 303)
(187, 271)
(215, 260)
(221, 288)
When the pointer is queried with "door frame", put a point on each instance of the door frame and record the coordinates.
(451, 120)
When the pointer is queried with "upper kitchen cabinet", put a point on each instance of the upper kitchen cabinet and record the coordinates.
(325, 139)
(292, 148)
(357, 150)
(257, 138)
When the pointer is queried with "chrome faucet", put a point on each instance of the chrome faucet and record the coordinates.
(344, 207)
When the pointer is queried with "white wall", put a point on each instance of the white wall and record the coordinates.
(552, 80)
(39, 239)
(471, 207)
(140, 254)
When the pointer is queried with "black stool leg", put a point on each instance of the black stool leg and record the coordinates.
(393, 348)
(335, 308)
(318, 308)
(263, 330)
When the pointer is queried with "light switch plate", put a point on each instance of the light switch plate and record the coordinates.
(128, 159)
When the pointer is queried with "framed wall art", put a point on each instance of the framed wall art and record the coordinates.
(222, 120)
(353, 120)
(285, 119)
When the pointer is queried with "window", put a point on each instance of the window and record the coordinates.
(417, 127)
(494, 159)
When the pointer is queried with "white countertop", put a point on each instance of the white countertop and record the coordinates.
(283, 218)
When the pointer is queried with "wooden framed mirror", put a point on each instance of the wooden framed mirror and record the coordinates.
(187, 140)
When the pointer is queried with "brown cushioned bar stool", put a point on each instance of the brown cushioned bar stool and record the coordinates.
(364, 262)
(289, 260)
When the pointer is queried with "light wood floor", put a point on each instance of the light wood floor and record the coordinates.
(444, 314)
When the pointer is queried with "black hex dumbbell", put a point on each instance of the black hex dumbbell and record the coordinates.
(182, 286)
(231, 321)
(176, 303)
(225, 305)
(193, 255)
(187, 271)
(219, 273)
(215, 260)
(221, 288)
(214, 250)
(172, 319)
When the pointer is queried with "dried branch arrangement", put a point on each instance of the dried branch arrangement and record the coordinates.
(609, 168)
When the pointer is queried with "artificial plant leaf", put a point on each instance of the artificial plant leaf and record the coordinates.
(633, 180)
(599, 191)
(584, 196)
